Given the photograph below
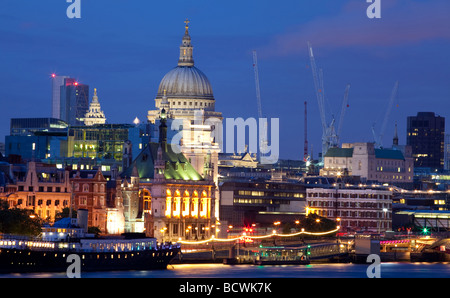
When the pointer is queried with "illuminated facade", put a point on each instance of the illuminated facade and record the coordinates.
(103, 141)
(39, 187)
(164, 191)
(185, 93)
(355, 209)
(243, 203)
(94, 115)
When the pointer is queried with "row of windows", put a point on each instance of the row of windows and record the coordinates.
(352, 216)
(97, 202)
(207, 104)
(254, 193)
(365, 205)
(348, 195)
(43, 188)
(260, 201)
(85, 187)
(193, 229)
(40, 202)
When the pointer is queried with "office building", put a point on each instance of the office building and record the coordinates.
(354, 208)
(74, 101)
(447, 152)
(57, 82)
(32, 126)
(36, 138)
(104, 141)
(243, 203)
(425, 134)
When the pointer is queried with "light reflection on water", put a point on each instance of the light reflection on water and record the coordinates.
(388, 270)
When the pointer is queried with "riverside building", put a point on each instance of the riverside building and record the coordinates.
(355, 209)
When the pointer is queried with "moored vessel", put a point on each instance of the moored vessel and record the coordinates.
(94, 254)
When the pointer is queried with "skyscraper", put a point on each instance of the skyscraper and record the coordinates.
(425, 134)
(74, 101)
(57, 82)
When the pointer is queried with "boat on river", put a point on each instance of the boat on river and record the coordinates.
(94, 254)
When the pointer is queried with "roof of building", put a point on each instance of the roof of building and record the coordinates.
(389, 154)
(339, 152)
(176, 164)
(379, 153)
(185, 81)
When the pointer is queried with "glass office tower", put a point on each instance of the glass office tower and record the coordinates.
(425, 134)
(74, 101)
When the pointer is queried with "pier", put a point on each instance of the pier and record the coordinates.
(319, 251)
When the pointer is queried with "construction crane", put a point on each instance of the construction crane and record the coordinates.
(330, 137)
(379, 139)
(263, 140)
(305, 148)
(343, 109)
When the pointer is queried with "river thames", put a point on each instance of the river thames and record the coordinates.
(345, 270)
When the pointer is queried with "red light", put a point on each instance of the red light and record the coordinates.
(53, 75)
(76, 83)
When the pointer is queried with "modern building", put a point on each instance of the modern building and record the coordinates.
(33, 126)
(382, 165)
(74, 101)
(36, 138)
(244, 202)
(356, 209)
(103, 141)
(425, 135)
(447, 152)
(57, 82)
(36, 147)
(95, 114)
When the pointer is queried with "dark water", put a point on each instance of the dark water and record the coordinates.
(387, 270)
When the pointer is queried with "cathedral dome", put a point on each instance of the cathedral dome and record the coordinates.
(185, 81)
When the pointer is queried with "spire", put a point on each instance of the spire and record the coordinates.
(186, 58)
(187, 27)
(395, 139)
(95, 97)
(94, 115)
(163, 130)
(165, 103)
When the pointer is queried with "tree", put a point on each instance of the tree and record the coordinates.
(316, 223)
(65, 213)
(94, 230)
(18, 221)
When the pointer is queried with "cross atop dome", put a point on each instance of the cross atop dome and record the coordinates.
(186, 58)
(186, 26)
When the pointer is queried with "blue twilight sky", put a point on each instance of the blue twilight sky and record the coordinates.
(124, 48)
